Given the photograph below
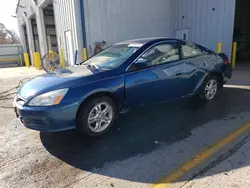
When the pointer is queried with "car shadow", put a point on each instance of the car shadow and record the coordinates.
(138, 131)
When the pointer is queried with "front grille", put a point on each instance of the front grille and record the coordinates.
(20, 100)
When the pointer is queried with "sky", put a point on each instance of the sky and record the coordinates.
(7, 9)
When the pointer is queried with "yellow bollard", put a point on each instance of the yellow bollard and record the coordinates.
(21, 60)
(85, 55)
(37, 60)
(62, 58)
(26, 59)
(219, 47)
(52, 55)
(234, 54)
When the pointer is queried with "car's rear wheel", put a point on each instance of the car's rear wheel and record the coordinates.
(97, 116)
(209, 88)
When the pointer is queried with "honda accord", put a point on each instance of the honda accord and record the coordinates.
(90, 96)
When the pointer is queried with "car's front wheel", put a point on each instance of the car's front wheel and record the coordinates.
(97, 116)
(209, 88)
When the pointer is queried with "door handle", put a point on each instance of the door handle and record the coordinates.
(178, 73)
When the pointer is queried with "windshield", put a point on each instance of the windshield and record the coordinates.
(113, 56)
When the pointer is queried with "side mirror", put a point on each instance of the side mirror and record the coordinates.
(142, 64)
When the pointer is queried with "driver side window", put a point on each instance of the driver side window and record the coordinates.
(161, 54)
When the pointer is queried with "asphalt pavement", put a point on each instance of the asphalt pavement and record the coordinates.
(144, 146)
(232, 172)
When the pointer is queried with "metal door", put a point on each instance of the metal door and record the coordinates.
(69, 47)
(182, 34)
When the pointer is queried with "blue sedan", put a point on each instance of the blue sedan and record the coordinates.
(133, 73)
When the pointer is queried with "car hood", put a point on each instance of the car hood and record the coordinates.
(59, 79)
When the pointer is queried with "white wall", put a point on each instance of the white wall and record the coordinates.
(68, 17)
(208, 21)
(24, 14)
(118, 20)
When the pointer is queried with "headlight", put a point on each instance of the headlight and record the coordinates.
(49, 99)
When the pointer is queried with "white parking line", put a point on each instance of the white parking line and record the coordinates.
(237, 86)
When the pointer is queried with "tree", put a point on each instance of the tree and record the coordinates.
(14, 37)
(2, 34)
(8, 36)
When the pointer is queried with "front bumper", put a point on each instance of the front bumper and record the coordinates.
(47, 119)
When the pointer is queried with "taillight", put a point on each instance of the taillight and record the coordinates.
(224, 57)
(226, 61)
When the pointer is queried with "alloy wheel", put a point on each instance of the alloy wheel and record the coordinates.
(211, 89)
(100, 117)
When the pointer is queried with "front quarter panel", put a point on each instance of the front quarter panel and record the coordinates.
(114, 85)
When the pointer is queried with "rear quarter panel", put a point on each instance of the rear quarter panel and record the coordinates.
(207, 64)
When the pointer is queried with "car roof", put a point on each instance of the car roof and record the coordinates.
(146, 40)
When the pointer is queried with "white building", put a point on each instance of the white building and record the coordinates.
(74, 25)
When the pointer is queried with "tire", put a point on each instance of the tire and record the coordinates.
(209, 88)
(100, 123)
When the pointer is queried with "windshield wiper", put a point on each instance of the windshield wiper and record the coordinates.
(93, 66)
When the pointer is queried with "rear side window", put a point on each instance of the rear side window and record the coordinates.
(189, 49)
(162, 53)
(205, 50)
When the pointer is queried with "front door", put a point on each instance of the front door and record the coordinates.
(160, 80)
(69, 47)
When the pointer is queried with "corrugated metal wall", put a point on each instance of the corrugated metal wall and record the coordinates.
(68, 17)
(208, 21)
(117, 20)
(22, 19)
(10, 49)
(26, 10)
(29, 7)
(9, 53)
